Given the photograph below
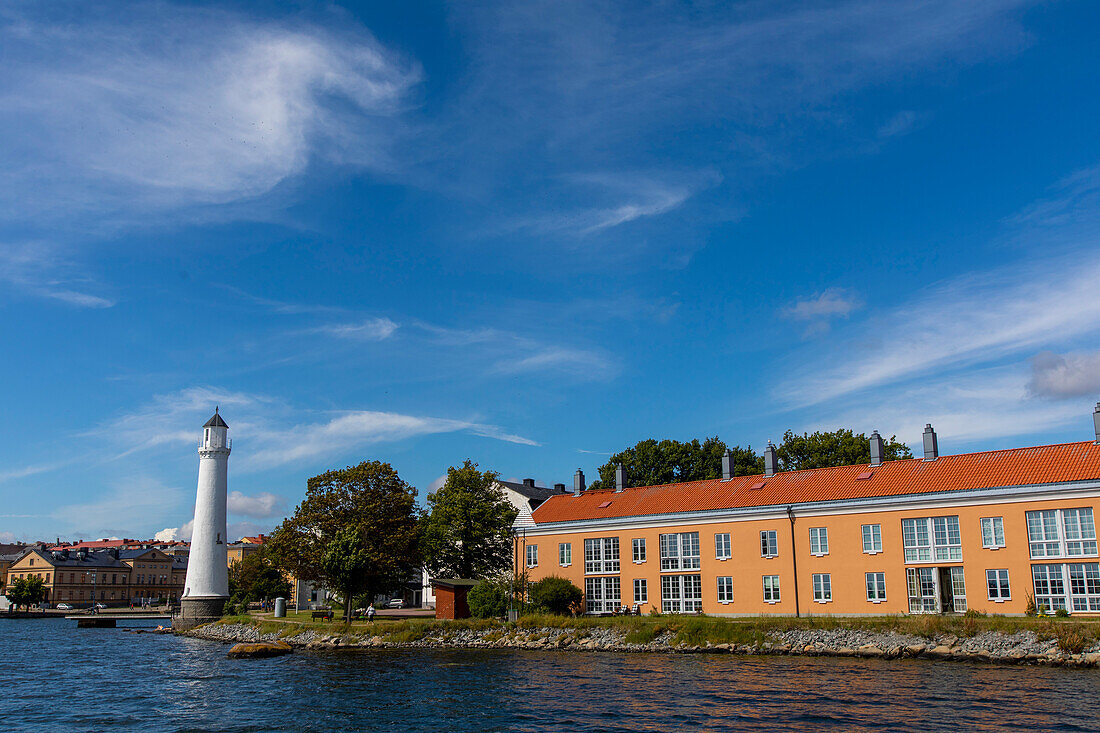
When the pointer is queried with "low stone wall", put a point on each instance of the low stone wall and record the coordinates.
(994, 647)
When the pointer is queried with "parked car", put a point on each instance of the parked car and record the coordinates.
(100, 606)
(395, 603)
(64, 607)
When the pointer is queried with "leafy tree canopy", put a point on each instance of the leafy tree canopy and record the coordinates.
(369, 500)
(347, 564)
(555, 595)
(26, 591)
(257, 578)
(489, 598)
(669, 461)
(467, 531)
(839, 448)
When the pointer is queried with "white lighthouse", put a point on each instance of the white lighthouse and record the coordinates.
(207, 586)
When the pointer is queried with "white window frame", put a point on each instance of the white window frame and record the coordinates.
(681, 593)
(1061, 533)
(725, 589)
(1074, 586)
(921, 539)
(641, 590)
(875, 583)
(601, 555)
(771, 589)
(565, 554)
(872, 532)
(723, 547)
(819, 541)
(823, 587)
(532, 557)
(637, 550)
(991, 527)
(769, 543)
(997, 586)
(680, 551)
(602, 594)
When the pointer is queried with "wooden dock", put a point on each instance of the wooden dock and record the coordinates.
(107, 621)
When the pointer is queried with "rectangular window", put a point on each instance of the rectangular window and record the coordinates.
(681, 593)
(637, 549)
(872, 538)
(601, 595)
(1080, 532)
(722, 548)
(769, 544)
(823, 587)
(771, 589)
(993, 532)
(931, 538)
(680, 551)
(997, 583)
(923, 590)
(876, 586)
(819, 541)
(1082, 580)
(601, 555)
(1077, 538)
(565, 554)
(532, 558)
(641, 591)
(725, 589)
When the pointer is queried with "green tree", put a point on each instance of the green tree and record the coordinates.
(555, 595)
(26, 591)
(489, 598)
(669, 461)
(347, 565)
(369, 499)
(839, 448)
(257, 578)
(468, 528)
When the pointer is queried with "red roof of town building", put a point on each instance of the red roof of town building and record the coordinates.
(1046, 464)
(93, 545)
(257, 540)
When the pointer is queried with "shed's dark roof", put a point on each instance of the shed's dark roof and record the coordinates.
(216, 421)
(455, 582)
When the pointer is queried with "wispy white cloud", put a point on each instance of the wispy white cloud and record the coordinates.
(38, 269)
(971, 319)
(130, 503)
(312, 441)
(268, 433)
(582, 363)
(1065, 375)
(370, 329)
(984, 405)
(261, 505)
(146, 109)
(830, 303)
(175, 534)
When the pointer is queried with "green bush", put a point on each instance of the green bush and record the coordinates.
(1062, 613)
(489, 598)
(555, 595)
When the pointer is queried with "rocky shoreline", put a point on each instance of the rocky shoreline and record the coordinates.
(1023, 647)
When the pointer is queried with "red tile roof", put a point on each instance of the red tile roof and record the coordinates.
(93, 545)
(1046, 464)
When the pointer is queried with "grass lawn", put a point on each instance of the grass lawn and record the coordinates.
(1072, 633)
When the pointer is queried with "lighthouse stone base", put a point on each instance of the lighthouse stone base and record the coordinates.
(197, 611)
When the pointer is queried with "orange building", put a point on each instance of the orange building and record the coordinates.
(939, 534)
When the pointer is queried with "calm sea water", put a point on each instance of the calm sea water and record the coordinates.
(57, 678)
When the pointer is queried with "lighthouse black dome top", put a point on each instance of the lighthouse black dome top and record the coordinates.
(216, 421)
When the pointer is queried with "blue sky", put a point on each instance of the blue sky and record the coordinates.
(530, 235)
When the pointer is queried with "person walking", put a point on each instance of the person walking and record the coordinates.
(370, 612)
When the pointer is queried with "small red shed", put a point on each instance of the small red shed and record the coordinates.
(450, 597)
